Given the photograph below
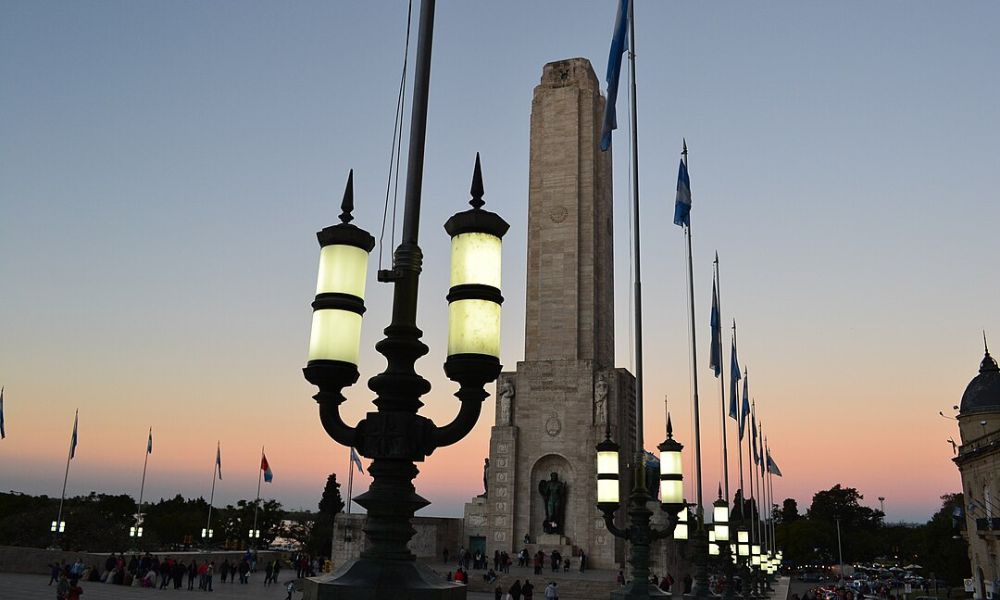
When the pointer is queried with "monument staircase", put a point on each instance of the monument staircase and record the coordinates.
(573, 585)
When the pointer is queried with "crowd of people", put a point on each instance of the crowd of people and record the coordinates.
(149, 571)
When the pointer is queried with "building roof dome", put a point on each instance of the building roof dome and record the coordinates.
(983, 392)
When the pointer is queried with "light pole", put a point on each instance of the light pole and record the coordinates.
(639, 533)
(395, 436)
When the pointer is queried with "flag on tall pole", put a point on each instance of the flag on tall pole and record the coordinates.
(264, 466)
(745, 409)
(73, 440)
(218, 459)
(682, 204)
(618, 45)
(3, 430)
(734, 376)
(149, 442)
(356, 460)
(715, 352)
(753, 433)
(772, 467)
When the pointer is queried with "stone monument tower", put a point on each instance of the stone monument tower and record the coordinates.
(554, 408)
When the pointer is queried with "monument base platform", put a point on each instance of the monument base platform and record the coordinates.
(552, 539)
(376, 580)
(627, 592)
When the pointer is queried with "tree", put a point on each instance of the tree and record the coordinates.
(945, 552)
(789, 511)
(330, 504)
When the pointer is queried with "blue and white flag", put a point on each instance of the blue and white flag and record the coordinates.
(356, 460)
(218, 459)
(618, 45)
(772, 467)
(715, 352)
(734, 376)
(73, 440)
(3, 431)
(745, 409)
(682, 206)
(149, 443)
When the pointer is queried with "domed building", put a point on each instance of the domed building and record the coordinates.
(978, 462)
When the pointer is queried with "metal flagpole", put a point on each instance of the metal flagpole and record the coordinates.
(763, 492)
(739, 437)
(770, 486)
(694, 370)
(635, 240)
(350, 478)
(754, 530)
(211, 499)
(722, 386)
(69, 455)
(256, 504)
(142, 486)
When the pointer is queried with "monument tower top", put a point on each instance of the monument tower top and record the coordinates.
(570, 295)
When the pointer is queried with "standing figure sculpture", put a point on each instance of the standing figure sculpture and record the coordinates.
(553, 492)
(506, 396)
(601, 400)
(486, 479)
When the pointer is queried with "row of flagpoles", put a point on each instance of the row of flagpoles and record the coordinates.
(264, 475)
(743, 411)
(758, 451)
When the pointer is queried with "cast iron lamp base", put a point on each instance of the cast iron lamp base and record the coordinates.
(365, 579)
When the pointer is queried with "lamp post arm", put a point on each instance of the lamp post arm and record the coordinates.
(336, 428)
(609, 522)
(660, 534)
(472, 404)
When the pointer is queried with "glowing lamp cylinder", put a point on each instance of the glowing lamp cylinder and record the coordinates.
(720, 517)
(743, 543)
(681, 531)
(671, 470)
(474, 297)
(607, 475)
(713, 548)
(335, 338)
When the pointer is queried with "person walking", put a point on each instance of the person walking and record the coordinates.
(62, 588)
(74, 590)
(552, 591)
(192, 572)
(208, 575)
(515, 590)
(527, 590)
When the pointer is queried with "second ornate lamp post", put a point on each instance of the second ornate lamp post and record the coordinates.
(395, 436)
(639, 533)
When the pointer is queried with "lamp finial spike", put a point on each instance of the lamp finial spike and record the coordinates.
(347, 205)
(986, 346)
(670, 427)
(477, 190)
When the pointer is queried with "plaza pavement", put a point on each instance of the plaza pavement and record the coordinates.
(33, 587)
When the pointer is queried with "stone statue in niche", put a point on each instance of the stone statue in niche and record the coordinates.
(601, 389)
(553, 493)
(506, 397)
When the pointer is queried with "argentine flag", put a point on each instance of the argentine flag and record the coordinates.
(682, 206)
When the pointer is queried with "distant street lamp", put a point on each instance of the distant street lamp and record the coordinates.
(395, 437)
(639, 533)
(58, 527)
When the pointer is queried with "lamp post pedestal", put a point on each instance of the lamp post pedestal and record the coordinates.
(699, 547)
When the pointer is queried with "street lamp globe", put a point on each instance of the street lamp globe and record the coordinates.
(335, 338)
(607, 475)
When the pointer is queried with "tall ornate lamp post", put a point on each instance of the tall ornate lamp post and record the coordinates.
(395, 436)
(639, 533)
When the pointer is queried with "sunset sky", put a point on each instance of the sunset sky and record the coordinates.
(164, 168)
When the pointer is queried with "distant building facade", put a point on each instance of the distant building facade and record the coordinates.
(978, 462)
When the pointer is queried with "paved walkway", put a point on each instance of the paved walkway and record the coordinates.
(33, 587)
